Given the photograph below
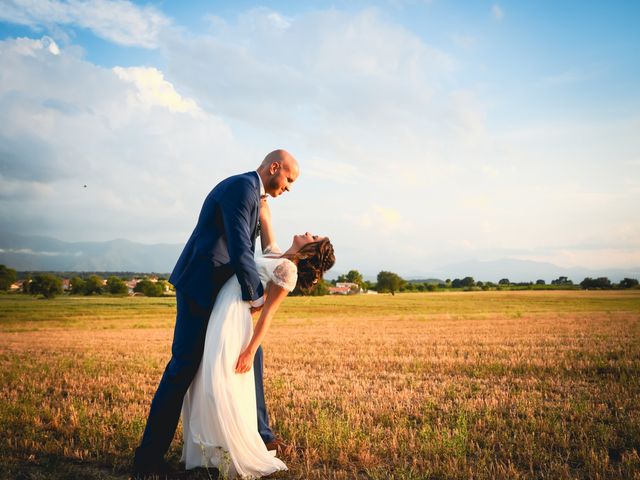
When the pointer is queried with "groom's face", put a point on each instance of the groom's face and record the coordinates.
(283, 174)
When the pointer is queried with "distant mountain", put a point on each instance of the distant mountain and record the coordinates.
(528, 271)
(32, 253)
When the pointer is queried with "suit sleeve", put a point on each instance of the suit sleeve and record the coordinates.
(236, 207)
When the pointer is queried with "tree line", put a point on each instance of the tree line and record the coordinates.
(390, 282)
(49, 285)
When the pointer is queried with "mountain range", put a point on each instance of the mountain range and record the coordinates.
(517, 270)
(35, 253)
(38, 253)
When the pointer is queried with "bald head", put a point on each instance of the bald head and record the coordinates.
(278, 171)
(279, 156)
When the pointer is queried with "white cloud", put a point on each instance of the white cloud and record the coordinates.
(328, 61)
(351, 88)
(28, 251)
(154, 90)
(497, 11)
(31, 47)
(147, 163)
(118, 21)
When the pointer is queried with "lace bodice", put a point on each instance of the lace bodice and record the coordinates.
(281, 271)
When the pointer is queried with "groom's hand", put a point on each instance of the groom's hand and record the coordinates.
(256, 305)
(255, 309)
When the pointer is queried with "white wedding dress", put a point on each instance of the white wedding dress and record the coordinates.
(219, 417)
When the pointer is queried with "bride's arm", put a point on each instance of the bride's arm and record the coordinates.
(267, 236)
(275, 295)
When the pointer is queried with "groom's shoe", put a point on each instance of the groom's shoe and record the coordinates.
(151, 470)
(278, 445)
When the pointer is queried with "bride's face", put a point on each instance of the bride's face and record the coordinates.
(300, 241)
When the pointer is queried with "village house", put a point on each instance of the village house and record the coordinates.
(353, 288)
(131, 284)
(339, 290)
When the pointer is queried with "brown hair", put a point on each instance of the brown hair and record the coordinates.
(313, 260)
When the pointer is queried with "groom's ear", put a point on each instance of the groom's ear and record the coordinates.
(274, 167)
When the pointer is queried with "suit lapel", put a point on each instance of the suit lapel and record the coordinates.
(256, 211)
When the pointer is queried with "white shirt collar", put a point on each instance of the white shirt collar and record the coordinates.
(262, 192)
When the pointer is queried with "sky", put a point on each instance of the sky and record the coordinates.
(428, 132)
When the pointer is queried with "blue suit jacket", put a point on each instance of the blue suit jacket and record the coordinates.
(223, 243)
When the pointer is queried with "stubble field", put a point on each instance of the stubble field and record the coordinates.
(439, 385)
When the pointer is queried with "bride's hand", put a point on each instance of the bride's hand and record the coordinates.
(245, 361)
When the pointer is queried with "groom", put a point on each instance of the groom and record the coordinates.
(221, 245)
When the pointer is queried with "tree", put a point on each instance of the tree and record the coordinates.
(164, 285)
(389, 282)
(7, 277)
(407, 287)
(77, 285)
(457, 283)
(353, 276)
(599, 283)
(467, 282)
(149, 288)
(26, 285)
(504, 281)
(47, 285)
(92, 285)
(561, 281)
(116, 286)
(540, 282)
(368, 285)
(321, 288)
(628, 283)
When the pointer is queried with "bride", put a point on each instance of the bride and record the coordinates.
(219, 409)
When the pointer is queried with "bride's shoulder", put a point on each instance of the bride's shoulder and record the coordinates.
(285, 273)
(284, 266)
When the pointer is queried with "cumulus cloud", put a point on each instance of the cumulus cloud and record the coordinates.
(154, 90)
(118, 21)
(325, 65)
(143, 150)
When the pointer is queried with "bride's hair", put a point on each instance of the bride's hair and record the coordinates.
(313, 260)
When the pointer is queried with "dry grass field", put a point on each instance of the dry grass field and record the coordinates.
(513, 385)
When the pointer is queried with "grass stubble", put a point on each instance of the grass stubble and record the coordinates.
(517, 385)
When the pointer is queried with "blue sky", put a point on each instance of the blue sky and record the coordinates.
(428, 132)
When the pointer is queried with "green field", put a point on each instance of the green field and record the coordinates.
(512, 384)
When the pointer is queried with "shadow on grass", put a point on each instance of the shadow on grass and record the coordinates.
(54, 467)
